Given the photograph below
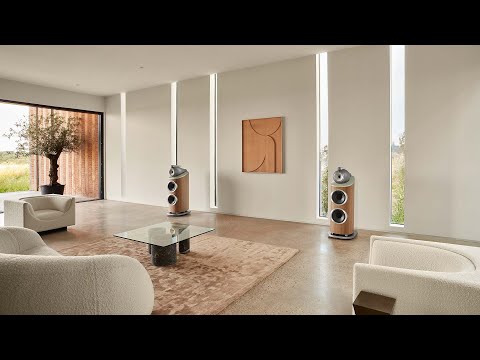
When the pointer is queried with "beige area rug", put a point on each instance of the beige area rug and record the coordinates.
(216, 272)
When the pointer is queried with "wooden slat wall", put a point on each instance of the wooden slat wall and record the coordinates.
(78, 171)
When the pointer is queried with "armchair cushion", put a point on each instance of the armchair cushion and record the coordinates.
(48, 214)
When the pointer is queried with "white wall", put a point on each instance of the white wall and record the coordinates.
(41, 95)
(284, 89)
(442, 149)
(442, 127)
(148, 145)
(113, 148)
(359, 128)
(193, 138)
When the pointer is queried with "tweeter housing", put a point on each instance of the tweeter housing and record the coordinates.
(178, 188)
(341, 199)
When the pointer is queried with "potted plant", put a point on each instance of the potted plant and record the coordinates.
(47, 136)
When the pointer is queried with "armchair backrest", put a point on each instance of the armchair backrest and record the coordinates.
(407, 255)
(48, 202)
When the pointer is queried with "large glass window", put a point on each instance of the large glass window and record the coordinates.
(79, 171)
(14, 171)
(397, 134)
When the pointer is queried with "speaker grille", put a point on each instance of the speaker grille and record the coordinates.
(172, 186)
(172, 199)
(339, 197)
(338, 216)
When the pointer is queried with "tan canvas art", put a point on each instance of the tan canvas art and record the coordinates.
(262, 145)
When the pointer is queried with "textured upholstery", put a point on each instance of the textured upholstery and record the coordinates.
(40, 213)
(424, 277)
(48, 214)
(35, 279)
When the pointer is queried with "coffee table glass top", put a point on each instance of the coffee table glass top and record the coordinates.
(164, 234)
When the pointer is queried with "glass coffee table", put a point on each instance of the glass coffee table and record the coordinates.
(162, 240)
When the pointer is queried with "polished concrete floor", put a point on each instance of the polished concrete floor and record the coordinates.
(318, 280)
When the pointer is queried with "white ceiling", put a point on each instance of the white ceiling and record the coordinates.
(111, 69)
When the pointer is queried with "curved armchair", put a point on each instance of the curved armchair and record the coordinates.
(40, 213)
(35, 279)
(424, 277)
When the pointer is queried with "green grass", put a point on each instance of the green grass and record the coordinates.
(398, 189)
(14, 172)
(324, 195)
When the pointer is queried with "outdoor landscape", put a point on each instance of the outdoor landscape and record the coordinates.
(14, 172)
(398, 181)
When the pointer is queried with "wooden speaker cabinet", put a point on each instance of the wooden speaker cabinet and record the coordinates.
(178, 201)
(341, 198)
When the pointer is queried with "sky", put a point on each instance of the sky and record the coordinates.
(398, 91)
(9, 114)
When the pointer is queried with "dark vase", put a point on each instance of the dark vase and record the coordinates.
(52, 189)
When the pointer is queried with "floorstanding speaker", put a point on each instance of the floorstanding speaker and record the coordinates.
(178, 202)
(341, 199)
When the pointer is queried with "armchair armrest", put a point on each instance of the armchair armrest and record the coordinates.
(14, 212)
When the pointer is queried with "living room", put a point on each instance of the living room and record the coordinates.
(237, 153)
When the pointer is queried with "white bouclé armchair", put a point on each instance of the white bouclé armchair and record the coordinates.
(423, 277)
(35, 279)
(40, 213)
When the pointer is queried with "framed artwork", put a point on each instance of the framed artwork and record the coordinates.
(262, 141)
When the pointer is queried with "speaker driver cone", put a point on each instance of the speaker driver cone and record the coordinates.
(172, 199)
(338, 216)
(172, 186)
(339, 197)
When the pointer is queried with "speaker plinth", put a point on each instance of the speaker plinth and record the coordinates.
(178, 187)
(343, 237)
(341, 214)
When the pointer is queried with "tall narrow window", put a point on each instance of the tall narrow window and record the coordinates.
(123, 147)
(213, 142)
(322, 133)
(397, 134)
(173, 123)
